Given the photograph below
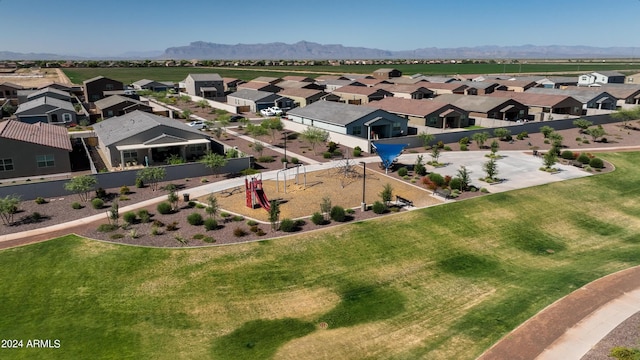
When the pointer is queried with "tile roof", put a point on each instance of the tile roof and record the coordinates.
(205, 77)
(403, 88)
(267, 79)
(118, 128)
(445, 86)
(403, 106)
(481, 104)
(359, 90)
(300, 92)
(582, 94)
(297, 78)
(38, 133)
(12, 85)
(529, 99)
(255, 85)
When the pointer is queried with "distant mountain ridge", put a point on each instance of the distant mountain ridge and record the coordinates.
(305, 50)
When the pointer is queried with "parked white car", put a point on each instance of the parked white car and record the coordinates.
(276, 110)
(197, 124)
(271, 111)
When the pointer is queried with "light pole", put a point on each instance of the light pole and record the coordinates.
(286, 135)
(363, 205)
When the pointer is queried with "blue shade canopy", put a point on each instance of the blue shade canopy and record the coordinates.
(388, 153)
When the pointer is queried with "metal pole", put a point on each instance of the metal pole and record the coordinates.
(363, 205)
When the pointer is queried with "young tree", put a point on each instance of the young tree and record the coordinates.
(213, 208)
(596, 132)
(274, 214)
(258, 147)
(256, 131)
(213, 161)
(494, 147)
(435, 154)
(81, 185)
(172, 197)
(113, 214)
(151, 176)
(223, 120)
(273, 125)
(550, 158)
(491, 169)
(325, 207)
(203, 104)
(314, 136)
(480, 138)
(427, 139)
(502, 133)
(8, 207)
(582, 124)
(546, 131)
(556, 142)
(419, 167)
(465, 178)
(626, 115)
(186, 114)
(386, 194)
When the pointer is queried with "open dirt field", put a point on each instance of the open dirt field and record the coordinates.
(35, 78)
(301, 201)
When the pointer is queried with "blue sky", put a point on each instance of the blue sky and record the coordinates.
(113, 27)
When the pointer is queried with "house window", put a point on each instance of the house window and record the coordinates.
(196, 148)
(396, 126)
(6, 164)
(357, 130)
(130, 154)
(109, 87)
(110, 113)
(66, 117)
(432, 121)
(45, 161)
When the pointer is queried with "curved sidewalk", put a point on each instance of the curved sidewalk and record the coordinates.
(570, 327)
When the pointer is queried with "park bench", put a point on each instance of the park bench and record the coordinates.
(403, 202)
(443, 193)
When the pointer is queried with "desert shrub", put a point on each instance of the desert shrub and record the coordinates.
(350, 211)
(252, 222)
(522, 135)
(585, 141)
(237, 218)
(440, 144)
(225, 214)
(464, 141)
(300, 223)
(101, 193)
(463, 147)
(295, 160)
(129, 217)
(596, 163)
(337, 214)
(578, 139)
(123, 198)
(584, 158)
(546, 141)
(403, 171)
(77, 205)
(332, 146)
(254, 228)
(204, 180)
(208, 239)
(97, 203)
(210, 224)
(378, 207)
(357, 151)
(567, 154)
(191, 204)
(195, 219)
(173, 226)
(420, 169)
(447, 148)
(164, 208)
(266, 159)
(198, 236)
(337, 152)
(134, 234)
(327, 155)
(484, 190)
(158, 223)
(317, 218)
(116, 236)
(287, 225)
(623, 353)
(455, 183)
(139, 183)
(155, 231)
(107, 227)
(144, 216)
(124, 190)
(239, 232)
(428, 183)
(261, 232)
(36, 216)
(200, 206)
(40, 200)
(436, 179)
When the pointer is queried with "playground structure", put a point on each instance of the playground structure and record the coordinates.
(254, 194)
(388, 154)
(297, 177)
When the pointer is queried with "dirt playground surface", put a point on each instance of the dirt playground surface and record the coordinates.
(343, 190)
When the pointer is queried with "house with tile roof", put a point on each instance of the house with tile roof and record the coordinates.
(297, 78)
(303, 97)
(591, 98)
(48, 110)
(260, 86)
(33, 149)
(332, 85)
(358, 95)
(430, 113)
(292, 84)
(407, 91)
(360, 121)
(487, 107)
(453, 87)
(117, 105)
(139, 137)
(248, 100)
(543, 106)
(387, 73)
(231, 84)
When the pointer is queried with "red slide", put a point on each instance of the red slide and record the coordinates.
(262, 199)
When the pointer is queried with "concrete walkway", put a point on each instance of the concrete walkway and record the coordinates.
(302, 158)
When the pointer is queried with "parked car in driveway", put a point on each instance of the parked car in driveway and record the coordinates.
(197, 124)
(236, 118)
(271, 111)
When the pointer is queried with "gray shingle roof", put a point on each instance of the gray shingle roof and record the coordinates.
(112, 100)
(480, 104)
(56, 103)
(48, 90)
(252, 95)
(118, 128)
(205, 77)
(332, 112)
(584, 95)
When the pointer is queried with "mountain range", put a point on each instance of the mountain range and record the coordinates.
(304, 50)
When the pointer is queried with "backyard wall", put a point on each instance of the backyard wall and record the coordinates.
(55, 188)
(214, 104)
(342, 139)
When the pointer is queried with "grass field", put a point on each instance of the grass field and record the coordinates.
(440, 283)
(129, 75)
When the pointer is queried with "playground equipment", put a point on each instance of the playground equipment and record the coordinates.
(255, 195)
(284, 176)
(388, 153)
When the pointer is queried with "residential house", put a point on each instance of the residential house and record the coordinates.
(357, 77)
(260, 86)
(628, 95)
(297, 78)
(386, 73)
(208, 86)
(358, 95)
(516, 85)
(360, 121)
(9, 90)
(430, 113)
(591, 98)
(47, 110)
(446, 88)
(117, 105)
(291, 84)
(487, 106)
(542, 106)
(323, 78)
(28, 95)
(231, 84)
(94, 88)
(407, 91)
(479, 87)
(374, 82)
(267, 79)
(601, 77)
(151, 85)
(33, 149)
(303, 97)
(248, 100)
(332, 85)
(557, 82)
(632, 79)
(139, 138)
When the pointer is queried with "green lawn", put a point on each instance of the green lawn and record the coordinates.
(439, 283)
